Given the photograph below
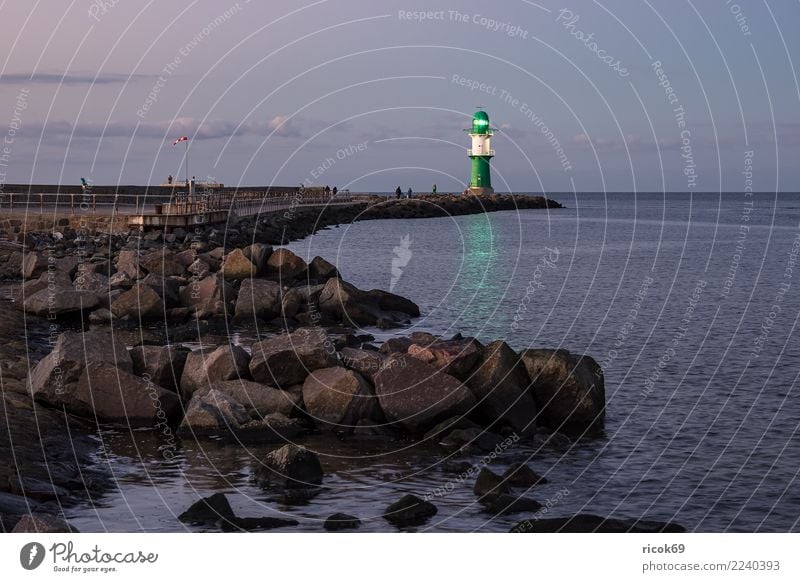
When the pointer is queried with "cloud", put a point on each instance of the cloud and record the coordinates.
(68, 79)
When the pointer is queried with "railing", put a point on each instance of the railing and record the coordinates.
(486, 153)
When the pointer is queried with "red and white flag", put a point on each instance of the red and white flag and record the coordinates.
(180, 139)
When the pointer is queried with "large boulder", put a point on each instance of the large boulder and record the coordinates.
(321, 270)
(286, 360)
(337, 398)
(260, 399)
(162, 263)
(293, 471)
(61, 301)
(128, 263)
(91, 281)
(162, 364)
(33, 265)
(454, 357)
(208, 296)
(346, 303)
(65, 364)
(168, 288)
(107, 393)
(236, 266)
(286, 264)
(35, 523)
(139, 302)
(258, 298)
(569, 389)
(365, 362)
(416, 395)
(228, 362)
(500, 383)
(213, 411)
(258, 254)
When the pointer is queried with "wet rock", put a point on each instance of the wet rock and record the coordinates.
(163, 364)
(213, 411)
(271, 428)
(258, 298)
(228, 362)
(520, 475)
(260, 399)
(489, 484)
(236, 266)
(341, 522)
(32, 488)
(346, 303)
(293, 471)
(286, 360)
(588, 523)
(140, 302)
(500, 383)
(568, 389)
(469, 438)
(209, 510)
(409, 511)
(445, 427)
(286, 264)
(337, 399)
(416, 396)
(61, 302)
(41, 524)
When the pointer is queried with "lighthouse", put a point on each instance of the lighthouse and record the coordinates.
(481, 153)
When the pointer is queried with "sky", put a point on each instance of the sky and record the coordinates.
(655, 95)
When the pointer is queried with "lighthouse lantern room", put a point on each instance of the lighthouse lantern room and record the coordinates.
(481, 153)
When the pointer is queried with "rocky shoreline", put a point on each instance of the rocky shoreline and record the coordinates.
(311, 369)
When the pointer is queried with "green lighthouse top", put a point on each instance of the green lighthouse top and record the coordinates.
(480, 122)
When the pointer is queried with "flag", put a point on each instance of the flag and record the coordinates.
(180, 139)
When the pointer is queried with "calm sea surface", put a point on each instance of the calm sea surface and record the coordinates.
(690, 303)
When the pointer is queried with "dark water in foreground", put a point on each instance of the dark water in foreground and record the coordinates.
(692, 318)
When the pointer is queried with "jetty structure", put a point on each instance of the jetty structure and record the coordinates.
(481, 153)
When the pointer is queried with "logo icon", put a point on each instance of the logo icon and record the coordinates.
(401, 258)
(31, 555)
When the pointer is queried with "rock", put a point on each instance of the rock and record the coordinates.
(392, 302)
(416, 395)
(42, 524)
(321, 270)
(272, 428)
(212, 411)
(33, 265)
(167, 288)
(140, 302)
(162, 263)
(341, 522)
(260, 399)
(286, 264)
(365, 362)
(568, 389)
(258, 254)
(46, 303)
(208, 296)
(473, 437)
(163, 364)
(445, 427)
(199, 268)
(520, 475)
(53, 280)
(236, 266)
(32, 488)
(454, 357)
(110, 394)
(65, 364)
(409, 511)
(394, 345)
(186, 257)
(95, 282)
(291, 303)
(346, 303)
(286, 360)
(258, 298)
(337, 398)
(500, 383)
(489, 484)
(505, 504)
(587, 523)
(228, 362)
(208, 510)
(17, 505)
(256, 523)
(128, 263)
(101, 316)
(293, 471)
